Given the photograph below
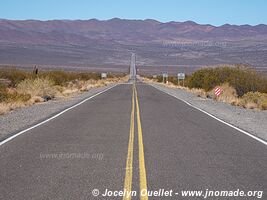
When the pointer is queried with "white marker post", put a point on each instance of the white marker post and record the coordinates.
(165, 75)
(217, 92)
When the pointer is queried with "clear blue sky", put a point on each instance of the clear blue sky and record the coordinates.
(216, 12)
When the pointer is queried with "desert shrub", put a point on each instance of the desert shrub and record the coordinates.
(63, 78)
(243, 80)
(208, 78)
(159, 79)
(58, 77)
(115, 75)
(12, 96)
(109, 75)
(14, 76)
(3, 93)
(197, 78)
(254, 100)
(2, 86)
(17, 97)
(37, 87)
(228, 95)
(87, 76)
(171, 79)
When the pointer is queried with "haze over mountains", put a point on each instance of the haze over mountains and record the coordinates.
(108, 44)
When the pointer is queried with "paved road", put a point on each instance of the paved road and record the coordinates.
(131, 139)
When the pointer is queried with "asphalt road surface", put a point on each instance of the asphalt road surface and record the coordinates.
(136, 138)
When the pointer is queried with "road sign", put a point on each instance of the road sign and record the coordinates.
(217, 91)
(103, 75)
(181, 76)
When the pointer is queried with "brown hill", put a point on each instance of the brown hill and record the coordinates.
(109, 42)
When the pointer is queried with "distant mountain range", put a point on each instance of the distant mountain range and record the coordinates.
(92, 43)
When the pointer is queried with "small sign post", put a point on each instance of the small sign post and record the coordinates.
(103, 75)
(217, 91)
(165, 76)
(181, 76)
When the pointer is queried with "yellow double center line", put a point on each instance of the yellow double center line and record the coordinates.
(129, 162)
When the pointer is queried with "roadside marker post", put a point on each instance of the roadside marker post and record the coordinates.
(217, 91)
(165, 77)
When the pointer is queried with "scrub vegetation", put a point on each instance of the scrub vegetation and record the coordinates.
(20, 88)
(241, 86)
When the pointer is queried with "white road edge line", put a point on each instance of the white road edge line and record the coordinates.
(55, 116)
(220, 120)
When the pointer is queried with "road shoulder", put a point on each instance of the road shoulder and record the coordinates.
(252, 121)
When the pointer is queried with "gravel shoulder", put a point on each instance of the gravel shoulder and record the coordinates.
(252, 121)
(23, 118)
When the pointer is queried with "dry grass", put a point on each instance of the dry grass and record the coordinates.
(7, 107)
(254, 100)
(37, 87)
(85, 85)
(148, 80)
(228, 94)
(31, 90)
(4, 108)
(199, 92)
(242, 79)
(251, 100)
